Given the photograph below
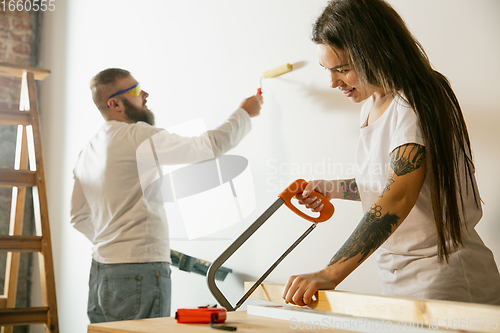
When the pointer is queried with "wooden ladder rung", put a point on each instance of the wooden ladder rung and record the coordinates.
(14, 117)
(17, 71)
(24, 316)
(10, 178)
(20, 243)
(3, 302)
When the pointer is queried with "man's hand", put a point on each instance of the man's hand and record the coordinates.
(300, 289)
(252, 105)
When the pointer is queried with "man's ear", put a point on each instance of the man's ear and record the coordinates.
(115, 104)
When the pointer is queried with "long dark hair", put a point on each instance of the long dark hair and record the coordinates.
(383, 52)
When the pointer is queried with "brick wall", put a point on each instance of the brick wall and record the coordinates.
(19, 39)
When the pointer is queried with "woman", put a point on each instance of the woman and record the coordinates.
(415, 175)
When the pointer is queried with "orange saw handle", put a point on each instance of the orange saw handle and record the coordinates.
(298, 186)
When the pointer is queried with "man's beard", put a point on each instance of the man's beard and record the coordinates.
(135, 114)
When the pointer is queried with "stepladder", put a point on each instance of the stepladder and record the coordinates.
(27, 173)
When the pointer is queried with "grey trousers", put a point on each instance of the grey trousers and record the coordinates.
(129, 291)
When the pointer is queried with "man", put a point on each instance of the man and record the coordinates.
(130, 274)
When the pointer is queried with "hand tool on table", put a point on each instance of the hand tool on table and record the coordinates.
(273, 73)
(285, 197)
(209, 314)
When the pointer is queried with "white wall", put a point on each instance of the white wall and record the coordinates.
(200, 59)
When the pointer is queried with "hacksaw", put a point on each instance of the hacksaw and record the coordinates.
(285, 197)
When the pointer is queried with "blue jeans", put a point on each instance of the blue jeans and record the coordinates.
(129, 291)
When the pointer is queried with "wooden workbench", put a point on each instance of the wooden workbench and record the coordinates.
(244, 322)
(340, 307)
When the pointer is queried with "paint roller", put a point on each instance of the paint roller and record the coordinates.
(273, 73)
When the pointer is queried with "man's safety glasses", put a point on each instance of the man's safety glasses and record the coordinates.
(133, 91)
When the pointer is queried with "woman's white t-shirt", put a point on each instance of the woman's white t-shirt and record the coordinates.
(408, 261)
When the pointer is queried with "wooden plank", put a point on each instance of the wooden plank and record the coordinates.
(20, 243)
(387, 308)
(244, 323)
(3, 301)
(23, 316)
(302, 318)
(17, 71)
(14, 117)
(46, 263)
(11, 178)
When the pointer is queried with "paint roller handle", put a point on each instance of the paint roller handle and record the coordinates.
(259, 91)
(298, 186)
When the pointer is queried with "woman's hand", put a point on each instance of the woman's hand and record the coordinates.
(300, 289)
(325, 187)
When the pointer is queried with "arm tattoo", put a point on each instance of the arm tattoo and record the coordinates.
(372, 231)
(350, 189)
(404, 159)
(390, 181)
(407, 158)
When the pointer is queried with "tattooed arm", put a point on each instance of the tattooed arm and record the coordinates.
(332, 189)
(348, 189)
(406, 177)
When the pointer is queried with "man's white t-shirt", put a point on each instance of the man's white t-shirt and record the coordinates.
(108, 205)
(408, 261)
